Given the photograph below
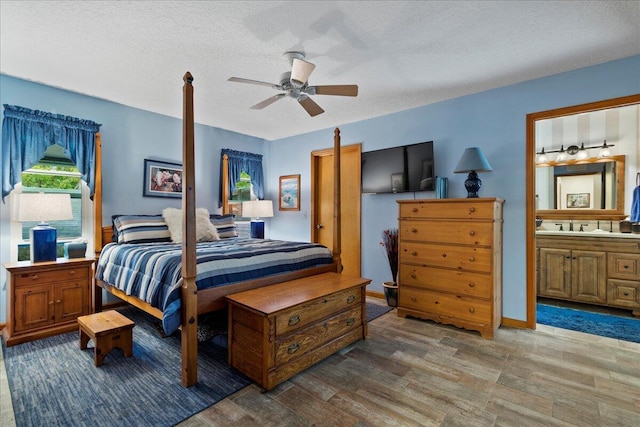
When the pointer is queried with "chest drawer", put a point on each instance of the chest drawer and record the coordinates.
(455, 210)
(51, 276)
(623, 293)
(623, 266)
(477, 285)
(463, 232)
(458, 257)
(305, 340)
(299, 316)
(473, 310)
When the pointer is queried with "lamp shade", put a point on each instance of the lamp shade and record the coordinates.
(473, 160)
(300, 72)
(44, 207)
(257, 209)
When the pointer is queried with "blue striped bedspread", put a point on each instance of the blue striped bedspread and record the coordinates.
(152, 271)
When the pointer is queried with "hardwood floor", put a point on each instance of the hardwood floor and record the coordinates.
(410, 372)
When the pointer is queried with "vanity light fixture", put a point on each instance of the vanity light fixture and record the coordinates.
(580, 152)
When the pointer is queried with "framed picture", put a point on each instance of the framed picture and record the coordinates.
(289, 193)
(578, 200)
(162, 179)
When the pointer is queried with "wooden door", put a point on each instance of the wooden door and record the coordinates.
(555, 273)
(589, 281)
(72, 300)
(34, 307)
(322, 203)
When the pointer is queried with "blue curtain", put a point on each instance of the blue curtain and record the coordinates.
(239, 162)
(26, 135)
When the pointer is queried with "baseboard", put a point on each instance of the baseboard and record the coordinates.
(375, 294)
(513, 323)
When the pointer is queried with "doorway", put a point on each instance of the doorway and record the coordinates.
(322, 203)
(531, 191)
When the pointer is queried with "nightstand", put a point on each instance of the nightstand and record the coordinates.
(46, 298)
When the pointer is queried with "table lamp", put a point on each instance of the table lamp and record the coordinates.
(256, 209)
(472, 161)
(44, 207)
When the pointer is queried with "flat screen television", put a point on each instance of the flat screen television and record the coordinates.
(407, 168)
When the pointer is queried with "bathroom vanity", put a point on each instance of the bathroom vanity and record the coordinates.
(593, 267)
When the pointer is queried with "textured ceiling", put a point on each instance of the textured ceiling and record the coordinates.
(400, 54)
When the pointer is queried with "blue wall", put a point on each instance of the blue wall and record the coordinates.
(493, 120)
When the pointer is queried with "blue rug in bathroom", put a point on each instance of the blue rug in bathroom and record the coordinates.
(622, 328)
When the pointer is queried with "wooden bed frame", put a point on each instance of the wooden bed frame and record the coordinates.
(196, 302)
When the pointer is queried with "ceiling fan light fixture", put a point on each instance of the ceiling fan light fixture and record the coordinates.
(300, 72)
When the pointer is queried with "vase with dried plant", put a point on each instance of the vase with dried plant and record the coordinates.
(390, 244)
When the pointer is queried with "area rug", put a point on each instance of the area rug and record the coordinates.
(54, 383)
(622, 328)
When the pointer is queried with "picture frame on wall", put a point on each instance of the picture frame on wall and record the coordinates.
(162, 179)
(289, 193)
(578, 200)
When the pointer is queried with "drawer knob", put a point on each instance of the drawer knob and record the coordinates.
(625, 266)
(58, 301)
(413, 275)
(471, 284)
(72, 272)
(414, 253)
(414, 210)
(35, 277)
(50, 302)
(444, 255)
(414, 230)
(626, 294)
(472, 209)
(472, 310)
(351, 299)
(293, 348)
(351, 321)
(472, 258)
(472, 233)
(413, 299)
(294, 319)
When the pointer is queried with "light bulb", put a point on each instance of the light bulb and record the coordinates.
(562, 155)
(582, 153)
(605, 151)
(542, 157)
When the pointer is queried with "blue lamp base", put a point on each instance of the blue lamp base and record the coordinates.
(472, 184)
(44, 246)
(257, 229)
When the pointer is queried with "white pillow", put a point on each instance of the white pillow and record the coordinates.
(205, 231)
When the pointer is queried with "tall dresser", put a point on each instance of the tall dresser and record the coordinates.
(450, 256)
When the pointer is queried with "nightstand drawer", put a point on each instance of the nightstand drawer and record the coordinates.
(51, 276)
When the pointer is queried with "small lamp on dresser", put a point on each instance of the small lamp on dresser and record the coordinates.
(43, 207)
(257, 209)
(472, 162)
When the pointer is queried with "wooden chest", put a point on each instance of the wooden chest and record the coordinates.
(450, 262)
(278, 331)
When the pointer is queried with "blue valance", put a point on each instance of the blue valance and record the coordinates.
(239, 162)
(26, 135)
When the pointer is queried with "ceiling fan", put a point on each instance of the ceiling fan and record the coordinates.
(295, 85)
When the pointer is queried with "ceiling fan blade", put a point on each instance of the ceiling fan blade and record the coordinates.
(342, 90)
(268, 101)
(300, 71)
(253, 82)
(308, 104)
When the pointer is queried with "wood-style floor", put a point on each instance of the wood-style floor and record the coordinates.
(410, 372)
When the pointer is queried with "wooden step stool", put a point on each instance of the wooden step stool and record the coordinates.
(108, 330)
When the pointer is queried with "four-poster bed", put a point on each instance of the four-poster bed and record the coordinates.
(194, 301)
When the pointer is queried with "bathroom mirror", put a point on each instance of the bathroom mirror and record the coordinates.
(576, 189)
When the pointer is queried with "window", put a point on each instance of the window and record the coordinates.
(243, 192)
(54, 174)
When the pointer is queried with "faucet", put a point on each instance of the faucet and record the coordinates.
(571, 225)
(560, 227)
(581, 227)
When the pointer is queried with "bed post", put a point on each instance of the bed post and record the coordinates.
(337, 231)
(97, 219)
(189, 292)
(225, 184)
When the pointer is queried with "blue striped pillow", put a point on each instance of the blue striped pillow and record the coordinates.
(140, 229)
(225, 225)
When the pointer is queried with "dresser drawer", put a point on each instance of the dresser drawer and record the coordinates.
(477, 311)
(623, 266)
(465, 283)
(453, 210)
(458, 257)
(51, 276)
(463, 232)
(623, 293)
(305, 340)
(301, 315)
